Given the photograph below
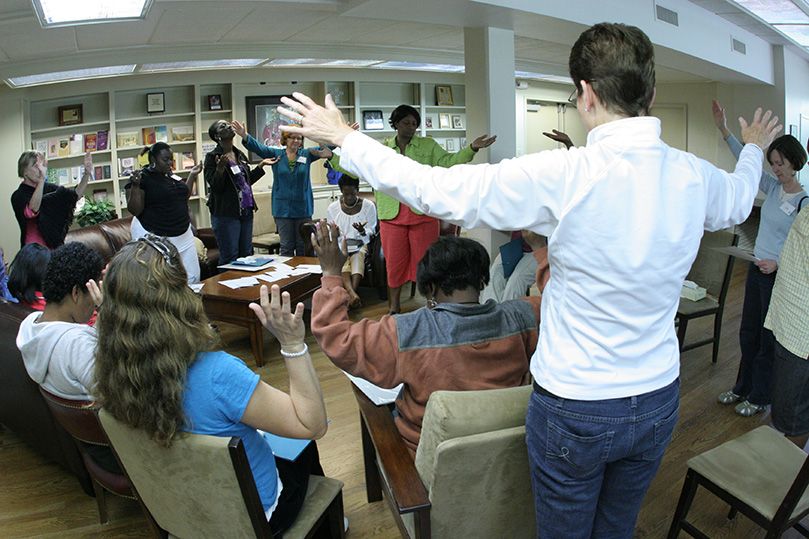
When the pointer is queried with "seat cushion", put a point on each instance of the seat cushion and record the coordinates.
(319, 495)
(267, 241)
(758, 468)
(690, 308)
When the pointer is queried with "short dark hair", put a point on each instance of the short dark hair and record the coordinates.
(451, 264)
(72, 264)
(618, 60)
(790, 149)
(346, 180)
(27, 272)
(402, 111)
(212, 130)
(156, 148)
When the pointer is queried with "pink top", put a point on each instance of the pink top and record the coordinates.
(32, 234)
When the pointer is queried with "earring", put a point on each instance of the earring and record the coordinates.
(431, 303)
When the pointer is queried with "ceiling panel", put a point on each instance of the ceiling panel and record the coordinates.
(27, 39)
(199, 24)
(451, 41)
(270, 25)
(405, 34)
(340, 30)
(112, 36)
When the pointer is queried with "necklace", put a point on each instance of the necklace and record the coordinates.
(343, 200)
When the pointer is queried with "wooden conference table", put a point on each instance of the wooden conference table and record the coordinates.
(232, 305)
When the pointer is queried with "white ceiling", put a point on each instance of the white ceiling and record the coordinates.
(410, 30)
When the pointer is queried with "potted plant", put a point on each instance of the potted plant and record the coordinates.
(96, 211)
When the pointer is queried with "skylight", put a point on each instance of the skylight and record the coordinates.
(419, 66)
(64, 76)
(316, 62)
(776, 11)
(203, 64)
(68, 13)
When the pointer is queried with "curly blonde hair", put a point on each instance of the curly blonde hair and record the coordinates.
(151, 328)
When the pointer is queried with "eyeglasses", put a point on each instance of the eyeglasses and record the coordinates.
(157, 244)
(574, 96)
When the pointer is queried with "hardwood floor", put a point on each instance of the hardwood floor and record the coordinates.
(38, 498)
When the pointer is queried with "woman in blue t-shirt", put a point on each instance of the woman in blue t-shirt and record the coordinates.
(155, 370)
(786, 157)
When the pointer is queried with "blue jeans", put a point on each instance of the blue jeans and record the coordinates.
(757, 343)
(291, 241)
(234, 235)
(592, 461)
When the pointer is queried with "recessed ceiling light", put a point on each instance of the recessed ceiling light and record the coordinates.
(775, 11)
(420, 66)
(64, 76)
(69, 13)
(317, 62)
(203, 64)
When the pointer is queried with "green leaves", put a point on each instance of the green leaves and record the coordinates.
(96, 211)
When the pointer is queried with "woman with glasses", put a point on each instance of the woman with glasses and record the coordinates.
(158, 199)
(156, 369)
(292, 200)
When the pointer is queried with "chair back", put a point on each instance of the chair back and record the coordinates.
(263, 222)
(201, 486)
(712, 269)
(78, 417)
(306, 229)
(473, 460)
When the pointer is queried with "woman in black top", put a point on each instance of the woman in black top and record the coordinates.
(43, 210)
(230, 197)
(159, 201)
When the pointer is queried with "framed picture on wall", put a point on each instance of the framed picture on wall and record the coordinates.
(70, 114)
(457, 121)
(215, 102)
(156, 102)
(264, 121)
(443, 96)
(428, 122)
(450, 145)
(443, 121)
(372, 120)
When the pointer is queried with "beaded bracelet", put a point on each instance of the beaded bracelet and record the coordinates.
(295, 354)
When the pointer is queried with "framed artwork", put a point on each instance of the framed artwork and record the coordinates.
(372, 120)
(156, 102)
(443, 120)
(215, 102)
(70, 114)
(450, 145)
(443, 96)
(457, 121)
(264, 121)
(463, 142)
(428, 122)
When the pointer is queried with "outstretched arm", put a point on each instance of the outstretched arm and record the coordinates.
(302, 412)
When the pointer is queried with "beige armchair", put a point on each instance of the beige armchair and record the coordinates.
(470, 477)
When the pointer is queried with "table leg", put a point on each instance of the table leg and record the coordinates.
(257, 341)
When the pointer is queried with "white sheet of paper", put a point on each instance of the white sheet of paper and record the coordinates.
(240, 283)
(737, 252)
(196, 287)
(308, 268)
(378, 395)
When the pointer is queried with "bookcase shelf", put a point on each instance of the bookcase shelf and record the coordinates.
(75, 128)
(152, 118)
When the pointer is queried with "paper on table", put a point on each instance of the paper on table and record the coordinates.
(240, 283)
(196, 287)
(737, 252)
(378, 395)
(307, 268)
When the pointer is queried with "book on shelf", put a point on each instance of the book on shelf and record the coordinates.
(98, 172)
(41, 147)
(188, 160)
(76, 144)
(64, 176)
(64, 147)
(148, 134)
(182, 133)
(126, 165)
(90, 142)
(127, 139)
(143, 160)
(75, 174)
(106, 172)
(161, 133)
(101, 140)
(208, 147)
(53, 176)
(53, 148)
(100, 194)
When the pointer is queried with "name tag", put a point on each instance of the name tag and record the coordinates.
(301, 159)
(235, 169)
(787, 208)
(175, 177)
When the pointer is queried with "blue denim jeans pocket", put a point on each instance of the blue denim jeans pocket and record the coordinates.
(663, 430)
(580, 454)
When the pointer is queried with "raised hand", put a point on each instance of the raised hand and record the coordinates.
(360, 227)
(275, 314)
(88, 161)
(324, 125)
(559, 136)
(240, 128)
(331, 252)
(720, 119)
(762, 130)
(483, 142)
(268, 162)
(196, 169)
(94, 289)
(221, 162)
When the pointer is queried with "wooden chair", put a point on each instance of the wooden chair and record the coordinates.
(202, 486)
(761, 474)
(79, 419)
(711, 270)
(470, 477)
